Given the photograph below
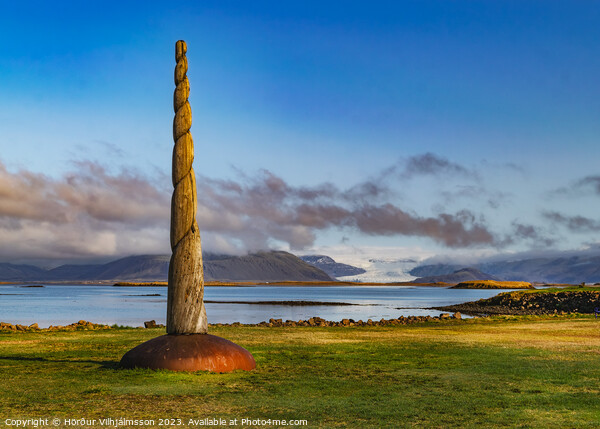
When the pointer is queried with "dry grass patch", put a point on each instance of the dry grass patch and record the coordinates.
(492, 284)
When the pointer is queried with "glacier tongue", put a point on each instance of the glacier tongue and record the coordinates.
(384, 271)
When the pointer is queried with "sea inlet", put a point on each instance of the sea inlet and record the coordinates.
(131, 306)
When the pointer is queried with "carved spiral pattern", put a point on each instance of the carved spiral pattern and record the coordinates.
(185, 308)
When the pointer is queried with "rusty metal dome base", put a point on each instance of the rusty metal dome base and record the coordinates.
(193, 352)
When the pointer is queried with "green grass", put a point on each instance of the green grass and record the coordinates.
(500, 372)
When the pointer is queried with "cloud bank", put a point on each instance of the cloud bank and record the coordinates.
(577, 224)
(93, 211)
(265, 207)
(87, 213)
(587, 185)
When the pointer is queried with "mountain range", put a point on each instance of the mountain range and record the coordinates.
(280, 266)
(567, 269)
(260, 266)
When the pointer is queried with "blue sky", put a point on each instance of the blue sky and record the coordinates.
(469, 116)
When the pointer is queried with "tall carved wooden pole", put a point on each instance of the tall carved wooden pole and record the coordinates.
(185, 306)
(187, 346)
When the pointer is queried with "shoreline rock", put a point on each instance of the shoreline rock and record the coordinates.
(82, 325)
(320, 322)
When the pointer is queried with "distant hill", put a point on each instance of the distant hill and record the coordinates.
(433, 270)
(264, 266)
(261, 266)
(334, 269)
(12, 272)
(135, 267)
(460, 275)
(571, 269)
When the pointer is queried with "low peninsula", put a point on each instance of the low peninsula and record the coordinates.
(492, 284)
(534, 302)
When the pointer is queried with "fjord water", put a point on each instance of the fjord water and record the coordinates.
(131, 306)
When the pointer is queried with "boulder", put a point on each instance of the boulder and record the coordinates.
(150, 324)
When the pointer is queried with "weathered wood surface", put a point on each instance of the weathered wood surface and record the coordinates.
(185, 307)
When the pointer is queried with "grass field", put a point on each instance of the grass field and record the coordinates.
(501, 372)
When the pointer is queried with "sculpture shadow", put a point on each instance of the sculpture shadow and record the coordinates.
(103, 364)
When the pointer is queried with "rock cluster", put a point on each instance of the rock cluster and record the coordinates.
(82, 325)
(11, 327)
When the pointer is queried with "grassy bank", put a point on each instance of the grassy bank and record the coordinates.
(501, 372)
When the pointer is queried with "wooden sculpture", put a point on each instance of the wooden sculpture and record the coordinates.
(185, 306)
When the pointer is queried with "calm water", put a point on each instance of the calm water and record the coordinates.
(60, 305)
